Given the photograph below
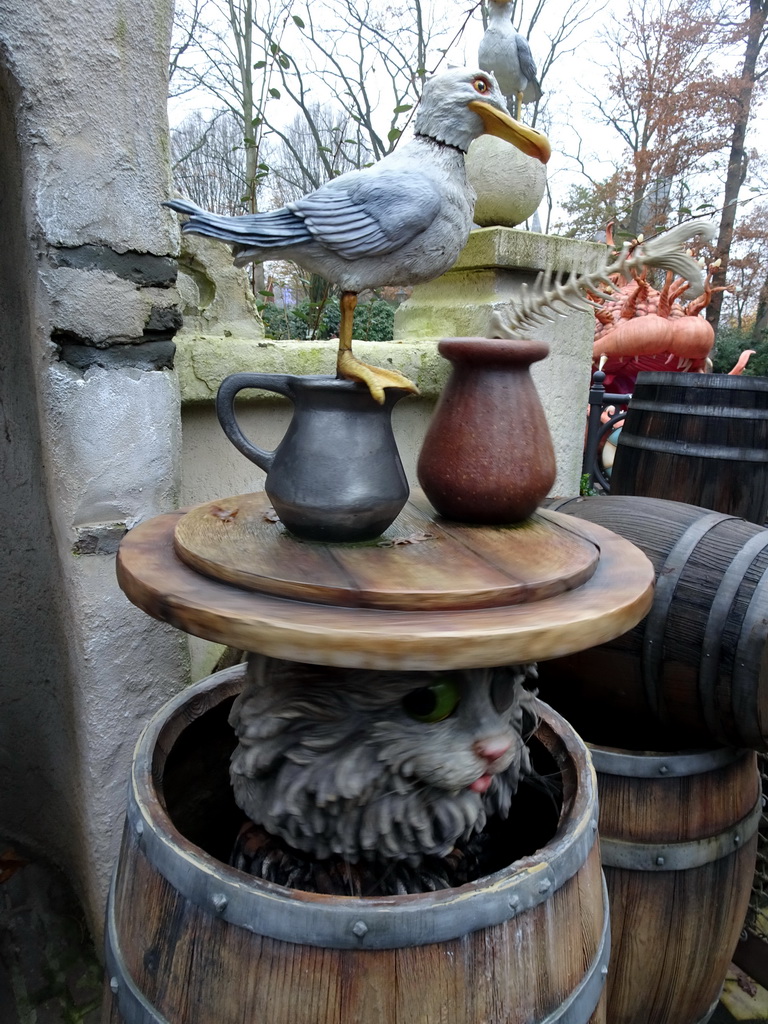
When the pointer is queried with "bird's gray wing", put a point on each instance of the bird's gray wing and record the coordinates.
(528, 68)
(370, 214)
(524, 55)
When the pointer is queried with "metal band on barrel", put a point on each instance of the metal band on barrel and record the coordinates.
(343, 922)
(655, 623)
(582, 1002)
(663, 766)
(746, 682)
(577, 1008)
(346, 922)
(710, 662)
(695, 853)
(689, 448)
(131, 1002)
(699, 410)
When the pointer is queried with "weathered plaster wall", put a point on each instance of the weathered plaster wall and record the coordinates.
(36, 720)
(90, 416)
(216, 297)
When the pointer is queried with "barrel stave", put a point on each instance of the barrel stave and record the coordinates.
(192, 967)
(673, 934)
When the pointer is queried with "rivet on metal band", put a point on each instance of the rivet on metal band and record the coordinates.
(219, 901)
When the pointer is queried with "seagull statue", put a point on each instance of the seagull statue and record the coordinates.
(403, 220)
(507, 55)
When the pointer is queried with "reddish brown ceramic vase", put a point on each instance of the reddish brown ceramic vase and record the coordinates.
(487, 456)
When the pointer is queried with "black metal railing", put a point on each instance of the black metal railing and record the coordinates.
(597, 431)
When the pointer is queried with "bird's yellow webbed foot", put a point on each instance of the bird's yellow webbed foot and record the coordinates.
(376, 378)
(351, 368)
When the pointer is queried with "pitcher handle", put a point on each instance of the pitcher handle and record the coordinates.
(281, 383)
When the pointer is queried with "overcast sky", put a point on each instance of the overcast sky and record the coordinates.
(568, 105)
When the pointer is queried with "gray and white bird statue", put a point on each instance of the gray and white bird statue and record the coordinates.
(507, 55)
(402, 221)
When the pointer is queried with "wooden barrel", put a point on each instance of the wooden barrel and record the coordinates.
(190, 939)
(694, 671)
(678, 835)
(697, 438)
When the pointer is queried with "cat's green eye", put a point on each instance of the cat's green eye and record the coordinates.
(432, 703)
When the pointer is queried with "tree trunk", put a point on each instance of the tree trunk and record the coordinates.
(737, 162)
(760, 329)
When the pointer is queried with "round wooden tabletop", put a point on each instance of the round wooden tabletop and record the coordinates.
(422, 562)
(611, 601)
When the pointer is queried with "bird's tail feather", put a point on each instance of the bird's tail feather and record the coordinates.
(532, 92)
(183, 206)
(274, 230)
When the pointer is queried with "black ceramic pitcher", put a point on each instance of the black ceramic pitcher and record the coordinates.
(336, 475)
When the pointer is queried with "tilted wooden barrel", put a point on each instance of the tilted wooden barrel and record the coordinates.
(193, 941)
(695, 670)
(698, 438)
(678, 835)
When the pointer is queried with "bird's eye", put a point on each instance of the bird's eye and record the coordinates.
(432, 703)
(481, 85)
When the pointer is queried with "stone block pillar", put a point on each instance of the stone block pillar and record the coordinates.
(487, 278)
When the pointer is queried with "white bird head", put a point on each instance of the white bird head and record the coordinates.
(460, 105)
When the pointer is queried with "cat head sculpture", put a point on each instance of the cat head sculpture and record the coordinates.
(379, 765)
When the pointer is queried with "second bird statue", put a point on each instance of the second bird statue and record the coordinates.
(506, 54)
(403, 220)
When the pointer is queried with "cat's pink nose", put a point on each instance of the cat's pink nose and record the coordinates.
(492, 749)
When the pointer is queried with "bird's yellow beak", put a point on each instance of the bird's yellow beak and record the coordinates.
(496, 122)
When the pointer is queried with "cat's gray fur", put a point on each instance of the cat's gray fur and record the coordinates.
(329, 761)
